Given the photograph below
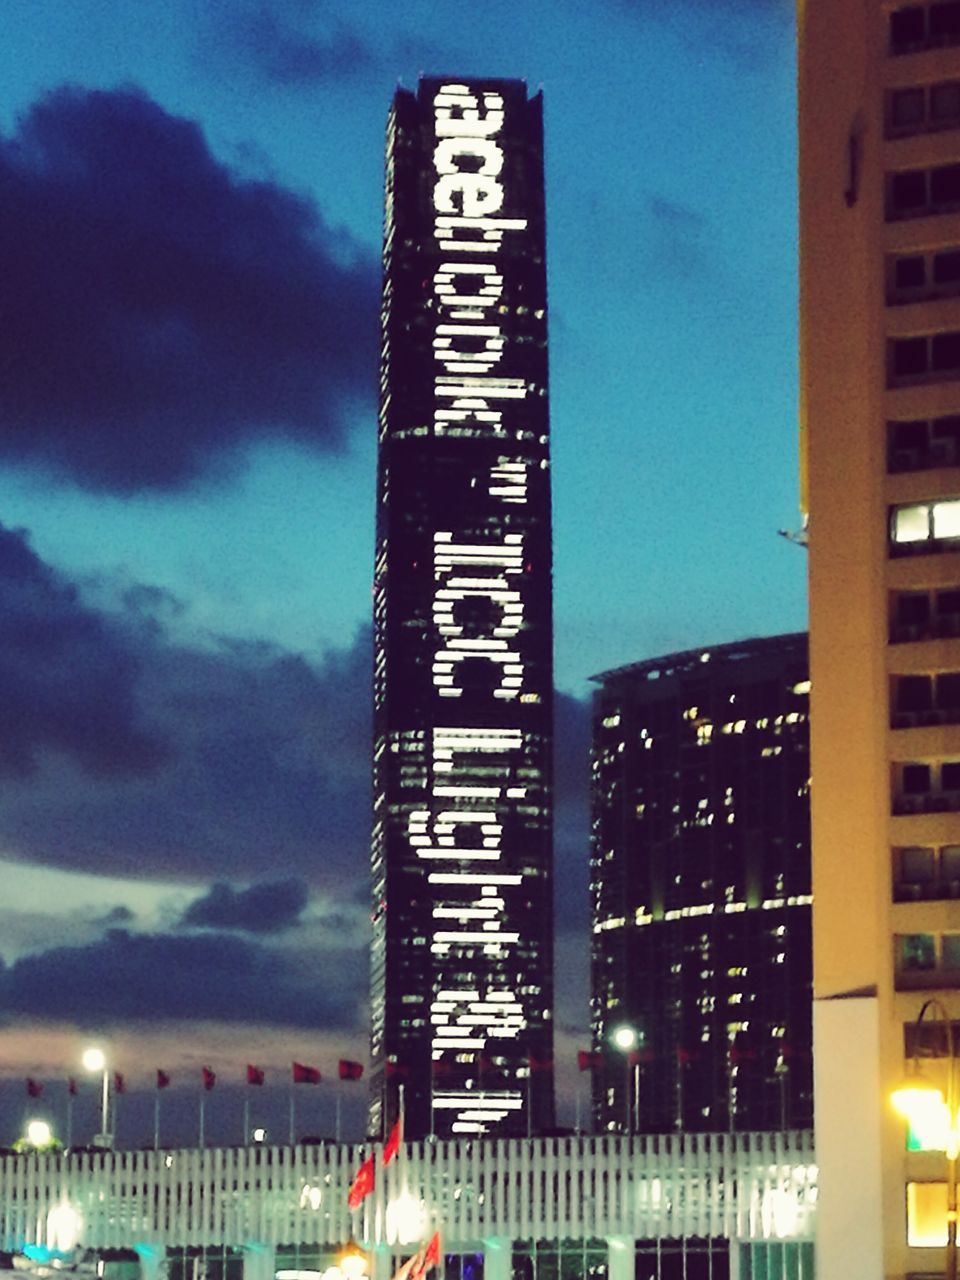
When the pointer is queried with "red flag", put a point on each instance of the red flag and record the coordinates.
(429, 1258)
(539, 1064)
(348, 1070)
(209, 1078)
(589, 1061)
(34, 1087)
(163, 1079)
(392, 1144)
(119, 1084)
(363, 1183)
(254, 1075)
(71, 1086)
(636, 1056)
(305, 1075)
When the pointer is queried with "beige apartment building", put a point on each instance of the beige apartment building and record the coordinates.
(879, 118)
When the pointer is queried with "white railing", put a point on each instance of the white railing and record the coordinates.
(741, 1186)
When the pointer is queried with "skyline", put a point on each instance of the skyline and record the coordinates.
(202, 597)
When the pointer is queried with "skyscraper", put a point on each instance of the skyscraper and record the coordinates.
(880, 412)
(700, 879)
(461, 988)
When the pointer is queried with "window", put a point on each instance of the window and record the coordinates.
(924, 526)
(921, 108)
(922, 873)
(917, 951)
(908, 29)
(913, 193)
(912, 358)
(915, 277)
(906, 110)
(916, 779)
(914, 27)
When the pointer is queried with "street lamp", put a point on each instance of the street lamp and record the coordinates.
(39, 1133)
(933, 1117)
(95, 1059)
(626, 1039)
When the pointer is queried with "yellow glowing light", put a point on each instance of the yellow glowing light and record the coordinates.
(353, 1264)
(94, 1059)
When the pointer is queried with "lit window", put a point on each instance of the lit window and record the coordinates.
(911, 524)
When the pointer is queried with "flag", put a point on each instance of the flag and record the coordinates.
(305, 1075)
(589, 1061)
(362, 1184)
(254, 1074)
(348, 1070)
(34, 1087)
(636, 1056)
(71, 1086)
(392, 1144)
(539, 1064)
(163, 1079)
(209, 1078)
(428, 1258)
(119, 1084)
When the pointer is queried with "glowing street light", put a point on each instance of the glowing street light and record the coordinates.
(933, 1118)
(627, 1039)
(39, 1133)
(94, 1059)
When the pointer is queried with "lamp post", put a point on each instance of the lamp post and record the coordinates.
(934, 1117)
(626, 1039)
(95, 1059)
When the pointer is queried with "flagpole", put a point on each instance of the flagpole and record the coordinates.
(69, 1119)
(337, 1126)
(577, 1114)
(292, 1114)
(156, 1122)
(246, 1117)
(529, 1101)
(203, 1103)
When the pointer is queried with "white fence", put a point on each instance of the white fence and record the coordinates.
(740, 1186)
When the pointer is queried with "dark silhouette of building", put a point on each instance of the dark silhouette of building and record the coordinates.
(700, 876)
(461, 989)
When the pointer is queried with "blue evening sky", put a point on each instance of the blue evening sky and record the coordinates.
(234, 594)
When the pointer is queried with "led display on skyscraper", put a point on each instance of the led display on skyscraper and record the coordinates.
(461, 988)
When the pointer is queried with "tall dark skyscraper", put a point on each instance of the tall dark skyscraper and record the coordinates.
(700, 877)
(461, 987)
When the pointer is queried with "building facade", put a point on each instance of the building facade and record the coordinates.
(700, 876)
(461, 993)
(879, 120)
(701, 1207)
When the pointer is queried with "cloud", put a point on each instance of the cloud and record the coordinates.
(300, 44)
(268, 907)
(273, 38)
(257, 760)
(127, 977)
(676, 245)
(161, 309)
(68, 680)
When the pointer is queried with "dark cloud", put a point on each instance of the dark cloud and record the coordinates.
(268, 907)
(160, 310)
(677, 243)
(126, 977)
(301, 44)
(68, 679)
(267, 753)
(275, 40)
